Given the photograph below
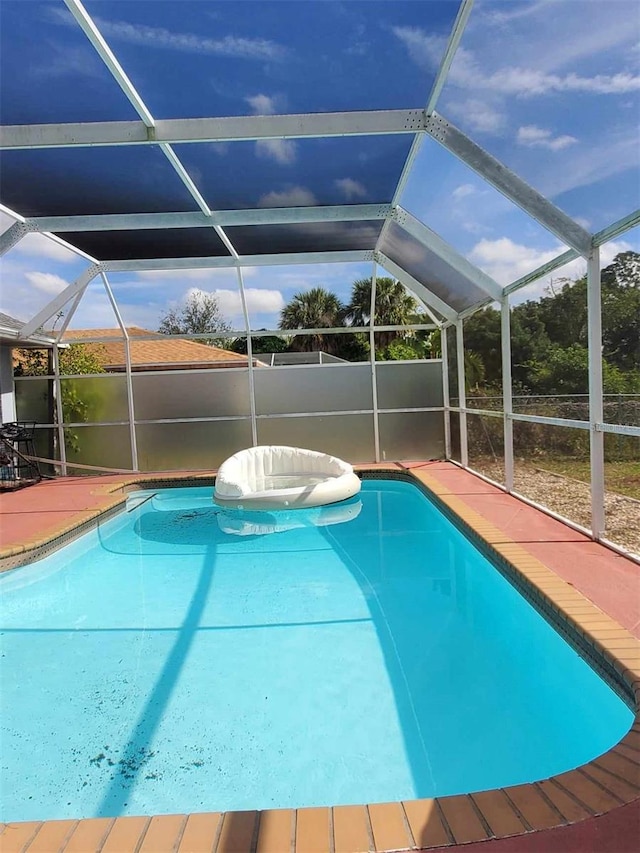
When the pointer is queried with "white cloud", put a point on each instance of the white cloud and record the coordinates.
(37, 245)
(425, 50)
(507, 261)
(592, 163)
(463, 191)
(500, 16)
(230, 46)
(262, 105)
(283, 151)
(351, 189)
(292, 197)
(258, 301)
(527, 82)
(95, 312)
(221, 149)
(538, 137)
(46, 282)
(480, 114)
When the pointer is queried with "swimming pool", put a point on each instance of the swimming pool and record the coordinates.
(181, 658)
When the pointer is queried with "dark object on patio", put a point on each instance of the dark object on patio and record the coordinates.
(16, 445)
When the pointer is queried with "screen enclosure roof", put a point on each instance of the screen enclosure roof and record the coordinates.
(151, 134)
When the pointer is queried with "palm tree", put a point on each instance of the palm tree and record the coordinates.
(394, 307)
(314, 309)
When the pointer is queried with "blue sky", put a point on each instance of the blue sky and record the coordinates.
(551, 88)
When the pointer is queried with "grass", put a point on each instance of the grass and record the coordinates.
(620, 477)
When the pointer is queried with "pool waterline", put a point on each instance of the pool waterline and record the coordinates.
(136, 753)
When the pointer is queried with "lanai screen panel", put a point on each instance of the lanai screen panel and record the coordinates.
(552, 91)
(305, 237)
(155, 243)
(76, 181)
(193, 59)
(296, 172)
(430, 270)
(49, 72)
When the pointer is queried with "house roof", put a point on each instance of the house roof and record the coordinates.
(10, 333)
(166, 354)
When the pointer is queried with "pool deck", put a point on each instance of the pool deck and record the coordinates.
(583, 585)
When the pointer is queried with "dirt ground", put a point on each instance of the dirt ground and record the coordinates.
(572, 499)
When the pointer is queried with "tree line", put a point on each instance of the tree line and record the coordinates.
(549, 350)
(549, 346)
(549, 337)
(318, 308)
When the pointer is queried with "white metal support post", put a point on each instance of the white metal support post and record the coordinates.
(57, 390)
(372, 348)
(464, 451)
(507, 393)
(446, 400)
(252, 392)
(127, 363)
(596, 407)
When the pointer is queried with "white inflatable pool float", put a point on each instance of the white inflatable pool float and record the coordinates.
(279, 477)
(261, 523)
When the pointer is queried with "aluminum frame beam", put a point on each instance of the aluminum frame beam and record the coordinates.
(95, 37)
(60, 301)
(616, 228)
(447, 253)
(455, 37)
(457, 31)
(104, 51)
(197, 219)
(227, 261)
(226, 129)
(509, 184)
(422, 292)
(539, 272)
(20, 220)
(12, 237)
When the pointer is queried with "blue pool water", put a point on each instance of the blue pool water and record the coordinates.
(182, 658)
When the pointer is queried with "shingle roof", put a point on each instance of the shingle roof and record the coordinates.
(166, 354)
(10, 333)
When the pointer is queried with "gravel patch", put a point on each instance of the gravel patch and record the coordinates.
(572, 499)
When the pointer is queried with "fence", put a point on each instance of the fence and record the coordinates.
(194, 419)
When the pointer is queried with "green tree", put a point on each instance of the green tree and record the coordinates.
(313, 309)
(269, 343)
(402, 349)
(565, 370)
(482, 338)
(199, 314)
(621, 311)
(74, 360)
(394, 307)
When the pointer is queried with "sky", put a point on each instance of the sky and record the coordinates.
(549, 87)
